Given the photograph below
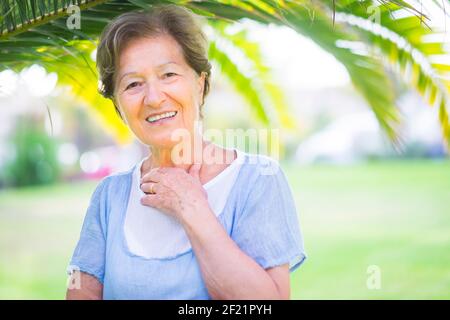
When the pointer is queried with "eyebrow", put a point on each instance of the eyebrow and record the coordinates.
(158, 67)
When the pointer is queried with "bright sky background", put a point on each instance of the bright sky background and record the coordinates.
(297, 61)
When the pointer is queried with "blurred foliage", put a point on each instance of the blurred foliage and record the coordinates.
(35, 31)
(34, 155)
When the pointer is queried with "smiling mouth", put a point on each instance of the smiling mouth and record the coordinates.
(166, 115)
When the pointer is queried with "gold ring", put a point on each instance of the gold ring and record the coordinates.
(151, 188)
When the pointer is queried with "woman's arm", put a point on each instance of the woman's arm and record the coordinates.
(227, 271)
(84, 287)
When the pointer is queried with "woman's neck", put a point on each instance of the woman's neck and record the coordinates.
(163, 157)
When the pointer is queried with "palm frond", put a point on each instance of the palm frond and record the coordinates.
(400, 43)
(34, 31)
(366, 72)
(270, 94)
(81, 76)
(22, 15)
(241, 82)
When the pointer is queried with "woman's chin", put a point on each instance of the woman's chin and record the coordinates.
(160, 141)
(165, 138)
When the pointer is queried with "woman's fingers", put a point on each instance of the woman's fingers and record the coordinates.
(194, 171)
(149, 187)
(153, 175)
(150, 200)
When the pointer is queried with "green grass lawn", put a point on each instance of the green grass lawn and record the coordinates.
(394, 215)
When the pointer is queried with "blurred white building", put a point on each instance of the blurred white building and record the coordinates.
(357, 136)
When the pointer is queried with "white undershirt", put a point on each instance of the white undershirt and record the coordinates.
(151, 233)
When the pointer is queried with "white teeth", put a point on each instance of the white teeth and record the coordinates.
(161, 116)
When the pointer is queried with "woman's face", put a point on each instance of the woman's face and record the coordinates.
(156, 90)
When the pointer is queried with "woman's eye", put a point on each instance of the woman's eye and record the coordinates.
(132, 85)
(169, 74)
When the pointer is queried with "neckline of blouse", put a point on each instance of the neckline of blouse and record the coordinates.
(239, 160)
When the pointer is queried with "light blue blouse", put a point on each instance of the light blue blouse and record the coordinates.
(260, 216)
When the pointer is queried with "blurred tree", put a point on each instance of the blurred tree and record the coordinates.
(33, 158)
(367, 37)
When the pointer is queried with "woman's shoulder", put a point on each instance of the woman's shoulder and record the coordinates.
(115, 182)
(258, 166)
(259, 175)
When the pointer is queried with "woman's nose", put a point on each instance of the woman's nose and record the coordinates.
(153, 95)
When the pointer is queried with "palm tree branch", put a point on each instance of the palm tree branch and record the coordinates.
(312, 19)
(272, 94)
(28, 18)
(241, 82)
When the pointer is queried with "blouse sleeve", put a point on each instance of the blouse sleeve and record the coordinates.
(89, 254)
(268, 229)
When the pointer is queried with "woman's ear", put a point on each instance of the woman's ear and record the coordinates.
(201, 84)
(118, 110)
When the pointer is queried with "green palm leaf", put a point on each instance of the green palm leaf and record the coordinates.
(270, 98)
(34, 31)
(400, 43)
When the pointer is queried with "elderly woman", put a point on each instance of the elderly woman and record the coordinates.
(176, 226)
